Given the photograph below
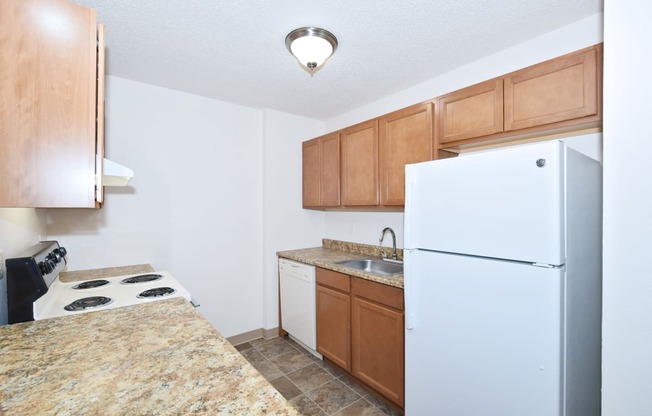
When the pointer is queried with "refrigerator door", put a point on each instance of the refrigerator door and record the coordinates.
(504, 203)
(483, 336)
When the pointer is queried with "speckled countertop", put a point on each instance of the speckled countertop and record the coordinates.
(80, 275)
(332, 251)
(158, 358)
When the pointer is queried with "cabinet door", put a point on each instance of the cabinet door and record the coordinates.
(99, 162)
(321, 171)
(405, 137)
(311, 173)
(471, 112)
(330, 170)
(360, 164)
(377, 348)
(563, 88)
(333, 326)
(47, 139)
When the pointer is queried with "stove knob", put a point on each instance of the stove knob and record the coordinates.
(46, 266)
(62, 251)
(55, 257)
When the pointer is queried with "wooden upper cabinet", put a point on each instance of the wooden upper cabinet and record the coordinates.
(561, 96)
(406, 136)
(311, 160)
(321, 172)
(360, 164)
(471, 112)
(563, 88)
(99, 125)
(330, 170)
(560, 89)
(49, 102)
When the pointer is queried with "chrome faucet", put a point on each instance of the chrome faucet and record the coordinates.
(380, 240)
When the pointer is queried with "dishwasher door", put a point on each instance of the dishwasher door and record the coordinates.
(298, 314)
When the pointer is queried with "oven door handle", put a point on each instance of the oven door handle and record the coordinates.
(196, 305)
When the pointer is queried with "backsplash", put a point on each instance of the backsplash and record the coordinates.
(358, 248)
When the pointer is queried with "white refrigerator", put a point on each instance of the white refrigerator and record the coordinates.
(503, 284)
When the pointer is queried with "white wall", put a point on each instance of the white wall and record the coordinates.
(286, 225)
(627, 290)
(19, 229)
(365, 227)
(194, 207)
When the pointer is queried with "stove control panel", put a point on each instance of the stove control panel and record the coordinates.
(52, 259)
(30, 275)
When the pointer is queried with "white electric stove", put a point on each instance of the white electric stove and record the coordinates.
(34, 290)
(108, 293)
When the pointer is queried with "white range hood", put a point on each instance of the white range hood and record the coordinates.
(114, 174)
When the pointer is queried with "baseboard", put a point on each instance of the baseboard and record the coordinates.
(252, 335)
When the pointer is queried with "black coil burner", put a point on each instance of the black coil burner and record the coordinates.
(157, 292)
(87, 303)
(91, 284)
(141, 278)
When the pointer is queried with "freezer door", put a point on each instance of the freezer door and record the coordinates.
(483, 337)
(503, 203)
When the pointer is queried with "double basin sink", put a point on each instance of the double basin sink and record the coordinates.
(375, 266)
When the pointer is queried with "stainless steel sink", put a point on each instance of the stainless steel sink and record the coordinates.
(373, 266)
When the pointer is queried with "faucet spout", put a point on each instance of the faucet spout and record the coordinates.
(382, 236)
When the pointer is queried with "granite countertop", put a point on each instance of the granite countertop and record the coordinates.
(158, 358)
(332, 251)
(81, 275)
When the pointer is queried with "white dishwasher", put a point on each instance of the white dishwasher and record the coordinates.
(298, 313)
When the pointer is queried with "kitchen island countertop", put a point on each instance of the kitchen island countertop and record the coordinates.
(158, 358)
(332, 251)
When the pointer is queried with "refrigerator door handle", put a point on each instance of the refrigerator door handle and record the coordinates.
(407, 290)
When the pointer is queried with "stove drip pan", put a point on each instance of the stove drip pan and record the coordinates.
(90, 284)
(141, 278)
(156, 292)
(88, 303)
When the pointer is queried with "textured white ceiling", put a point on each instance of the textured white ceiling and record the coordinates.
(234, 50)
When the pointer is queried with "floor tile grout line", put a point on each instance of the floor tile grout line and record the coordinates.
(335, 377)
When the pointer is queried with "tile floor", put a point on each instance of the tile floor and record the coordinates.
(313, 386)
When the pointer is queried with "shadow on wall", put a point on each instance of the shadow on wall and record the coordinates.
(77, 221)
(82, 221)
(20, 228)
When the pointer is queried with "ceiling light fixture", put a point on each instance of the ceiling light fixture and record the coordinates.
(311, 46)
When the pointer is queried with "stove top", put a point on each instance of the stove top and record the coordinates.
(66, 298)
(88, 303)
(91, 284)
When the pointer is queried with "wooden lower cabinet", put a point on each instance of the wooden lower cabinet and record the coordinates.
(377, 347)
(333, 325)
(360, 328)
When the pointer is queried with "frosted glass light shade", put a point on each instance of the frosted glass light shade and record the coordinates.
(311, 46)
